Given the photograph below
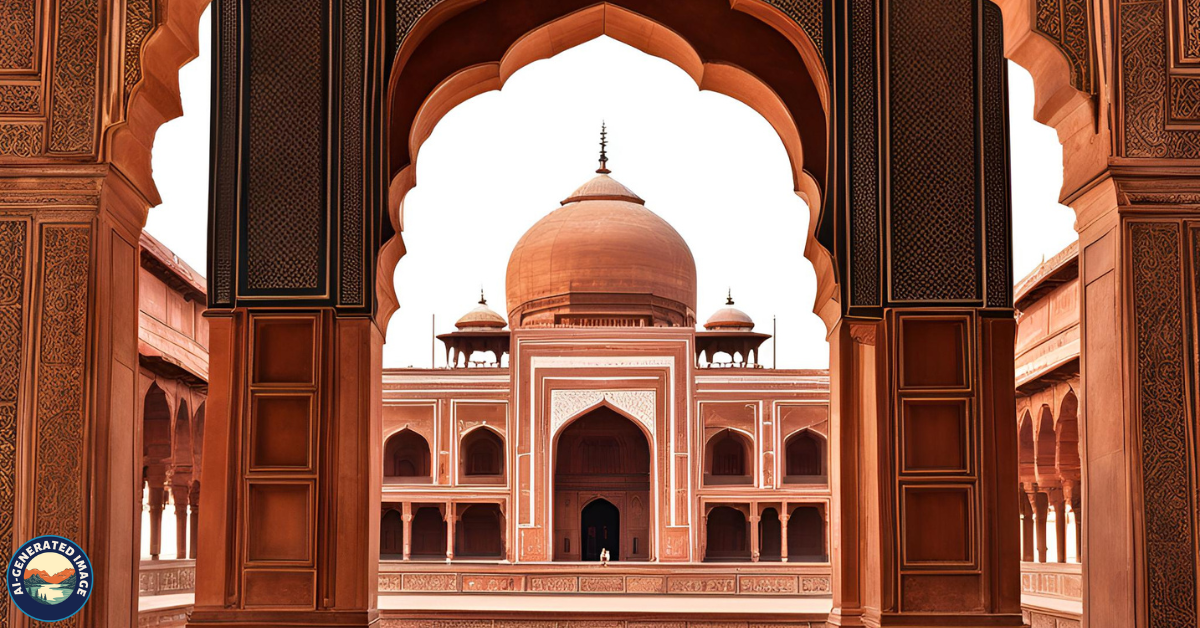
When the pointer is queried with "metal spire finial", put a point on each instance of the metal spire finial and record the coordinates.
(603, 169)
(482, 301)
(729, 297)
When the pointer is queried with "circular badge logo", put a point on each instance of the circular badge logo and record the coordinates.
(49, 578)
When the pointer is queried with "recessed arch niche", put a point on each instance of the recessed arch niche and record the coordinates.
(602, 455)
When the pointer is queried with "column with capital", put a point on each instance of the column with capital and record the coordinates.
(754, 518)
(193, 518)
(784, 517)
(451, 520)
(407, 518)
(156, 478)
(179, 495)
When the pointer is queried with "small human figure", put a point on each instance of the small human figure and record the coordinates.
(604, 557)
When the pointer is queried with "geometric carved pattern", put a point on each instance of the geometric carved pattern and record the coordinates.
(1067, 24)
(21, 139)
(864, 160)
(224, 202)
(1190, 31)
(13, 235)
(566, 404)
(350, 231)
(407, 14)
(1166, 455)
(1185, 98)
(933, 220)
(17, 32)
(20, 99)
(997, 205)
(139, 20)
(1143, 54)
(809, 14)
(286, 210)
(62, 347)
(73, 83)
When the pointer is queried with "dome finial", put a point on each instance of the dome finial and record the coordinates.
(729, 297)
(603, 169)
(482, 301)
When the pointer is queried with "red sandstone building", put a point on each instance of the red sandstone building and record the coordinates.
(612, 425)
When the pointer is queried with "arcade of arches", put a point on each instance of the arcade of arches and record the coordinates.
(947, 422)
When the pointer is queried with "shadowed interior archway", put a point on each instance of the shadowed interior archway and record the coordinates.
(602, 455)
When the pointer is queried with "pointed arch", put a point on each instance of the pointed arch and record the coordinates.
(805, 458)
(433, 73)
(729, 458)
(481, 455)
(406, 456)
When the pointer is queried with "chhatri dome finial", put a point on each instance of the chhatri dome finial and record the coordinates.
(729, 297)
(603, 169)
(482, 301)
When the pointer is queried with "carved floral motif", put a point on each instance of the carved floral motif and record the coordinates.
(13, 237)
(566, 404)
(1160, 336)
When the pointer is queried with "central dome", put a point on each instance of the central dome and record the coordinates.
(602, 260)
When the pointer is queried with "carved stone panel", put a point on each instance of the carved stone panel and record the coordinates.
(1067, 24)
(566, 404)
(1167, 453)
(13, 245)
(934, 162)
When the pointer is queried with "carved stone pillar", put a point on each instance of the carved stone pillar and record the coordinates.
(1041, 505)
(1057, 502)
(69, 388)
(451, 520)
(193, 518)
(1026, 499)
(754, 540)
(157, 500)
(919, 384)
(179, 495)
(407, 518)
(1139, 254)
(784, 517)
(290, 531)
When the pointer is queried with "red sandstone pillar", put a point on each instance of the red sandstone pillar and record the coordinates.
(193, 518)
(1060, 524)
(754, 540)
(291, 532)
(1026, 526)
(783, 533)
(69, 236)
(157, 495)
(906, 393)
(451, 520)
(1041, 506)
(407, 518)
(179, 494)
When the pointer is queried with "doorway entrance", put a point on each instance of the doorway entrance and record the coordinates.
(600, 529)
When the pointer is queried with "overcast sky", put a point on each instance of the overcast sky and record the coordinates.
(706, 163)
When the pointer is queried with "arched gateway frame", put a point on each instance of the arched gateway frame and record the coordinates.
(920, 318)
(308, 80)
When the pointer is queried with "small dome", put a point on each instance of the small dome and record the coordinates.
(729, 318)
(481, 318)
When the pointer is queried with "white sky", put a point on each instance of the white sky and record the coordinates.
(708, 164)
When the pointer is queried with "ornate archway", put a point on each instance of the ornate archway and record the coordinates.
(77, 184)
